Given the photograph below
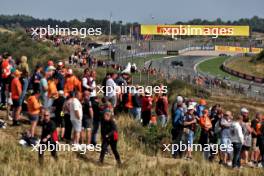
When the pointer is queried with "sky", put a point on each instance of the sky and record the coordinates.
(142, 11)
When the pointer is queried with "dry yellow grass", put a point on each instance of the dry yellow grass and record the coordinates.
(244, 65)
(17, 160)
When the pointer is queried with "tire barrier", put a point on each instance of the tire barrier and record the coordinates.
(241, 75)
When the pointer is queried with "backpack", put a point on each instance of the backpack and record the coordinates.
(6, 68)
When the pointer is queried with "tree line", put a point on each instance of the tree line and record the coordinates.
(118, 27)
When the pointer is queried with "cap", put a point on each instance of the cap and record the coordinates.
(202, 102)
(190, 107)
(179, 99)
(17, 73)
(60, 63)
(244, 110)
(50, 68)
(50, 63)
(70, 71)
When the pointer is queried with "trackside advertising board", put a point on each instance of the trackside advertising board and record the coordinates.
(202, 30)
(237, 49)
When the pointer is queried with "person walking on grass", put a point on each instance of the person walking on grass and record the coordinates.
(109, 136)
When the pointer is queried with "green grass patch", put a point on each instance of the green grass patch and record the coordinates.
(213, 67)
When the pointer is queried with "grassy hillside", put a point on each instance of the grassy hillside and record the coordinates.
(18, 43)
(245, 65)
(136, 155)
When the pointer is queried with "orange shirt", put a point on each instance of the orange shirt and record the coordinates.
(205, 122)
(16, 89)
(71, 83)
(33, 105)
(129, 103)
(52, 89)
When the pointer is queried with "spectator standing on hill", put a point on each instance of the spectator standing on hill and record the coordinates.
(34, 109)
(16, 92)
(146, 108)
(111, 88)
(255, 123)
(87, 120)
(189, 128)
(67, 118)
(59, 114)
(76, 113)
(206, 127)
(177, 125)
(247, 130)
(35, 78)
(5, 77)
(225, 124)
(23, 67)
(44, 89)
(162, 110)
(237, 139)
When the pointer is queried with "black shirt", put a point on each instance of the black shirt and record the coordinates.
(47, 128)
(58, 104)
(86, 108)
(108, 128)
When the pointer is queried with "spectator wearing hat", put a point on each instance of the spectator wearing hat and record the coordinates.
(177, 124)
(247, 130)
(16, 92)
(225, 124)
(206, 127)
(200, 107)
(189, 128)
(72, 83)
(237, 139)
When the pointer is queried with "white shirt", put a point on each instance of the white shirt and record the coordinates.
(76, 106)
(110, 88)
(92, 86)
